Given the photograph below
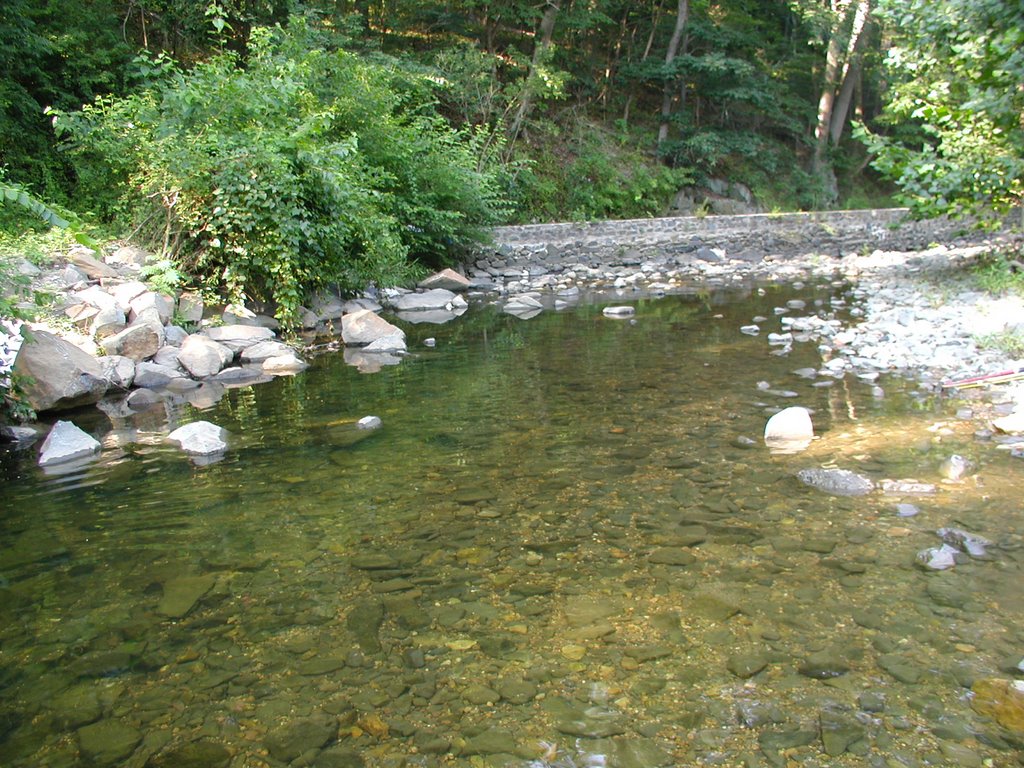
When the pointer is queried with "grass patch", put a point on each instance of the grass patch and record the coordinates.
(1000, 272)
(1008, 342)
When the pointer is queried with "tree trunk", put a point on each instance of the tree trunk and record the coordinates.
(647, 52)
(838, 64)
(851, 71)
(670, 56)
(547, 28)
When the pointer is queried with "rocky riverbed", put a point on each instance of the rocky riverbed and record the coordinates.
(574, 553)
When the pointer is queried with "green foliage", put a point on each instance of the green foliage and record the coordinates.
(305, 167)
(1008, 342)
(957, 68)
(1000, 272)
(163, 276)
(593, 175)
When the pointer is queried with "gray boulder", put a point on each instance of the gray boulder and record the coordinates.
(139, 342)
(119, 371)
(264, 350)
(168, 356)
(107, 322)
(448, 279)
(175, 335)
(95, 296)
(365, 327)
(57, 374)
(190, 308)
(66, 442)
(239, 337)
(94, 268)
(837, 482)
(124, 293)
(154, 376)
(202, 356)
(200, 438)
(161, 303)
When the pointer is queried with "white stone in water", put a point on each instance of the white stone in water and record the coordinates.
(66, 442)
(789, 430)
(200, 438)
(938, 558)
(370, 422)
(750, 330)
(619, 311)
(906, 510)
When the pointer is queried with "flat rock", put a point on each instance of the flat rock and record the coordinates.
(837, 482)
(181, 595)
(622, 311)
(1002, 700)
(238, 337)
(292, 739)
(155, 376)
(108, 742)
(447, 279)
(200, 438)
(94, 269)
(365, 327)
(264, 350)
(435, 298)
(66, 442)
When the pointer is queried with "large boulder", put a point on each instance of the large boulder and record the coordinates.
(125, 292)
(139, 342)
(154, 376)
(191, 308)
(107, 322)
(239, 337)
(84, 259)
(202, 356)
(284, 365)
(365, 327)
(448, 279)
(66, 442)
(264, 350)
(56, 374)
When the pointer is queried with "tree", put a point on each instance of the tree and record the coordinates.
(849, 19)
(668, 95)
(952, 134)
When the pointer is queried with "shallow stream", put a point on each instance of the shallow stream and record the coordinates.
(567, 546)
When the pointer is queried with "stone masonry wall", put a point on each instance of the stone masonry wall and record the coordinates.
(749, 236)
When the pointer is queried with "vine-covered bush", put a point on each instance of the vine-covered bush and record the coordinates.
(297, 168)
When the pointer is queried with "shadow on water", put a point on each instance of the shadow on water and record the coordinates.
(567, 546)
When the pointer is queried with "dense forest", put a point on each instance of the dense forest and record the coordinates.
(264, 147)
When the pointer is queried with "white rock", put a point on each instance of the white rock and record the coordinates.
(164, 305)
(200, 438)
(66, 442)
(789, 430)
(370, 422)
(621, 311)
(1012, 424)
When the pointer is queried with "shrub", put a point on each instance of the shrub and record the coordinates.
(301, 168)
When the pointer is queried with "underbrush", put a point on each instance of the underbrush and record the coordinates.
(1001, 272)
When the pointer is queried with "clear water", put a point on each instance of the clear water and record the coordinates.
(557, 551)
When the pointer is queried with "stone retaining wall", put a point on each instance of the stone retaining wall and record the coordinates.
(830, 232)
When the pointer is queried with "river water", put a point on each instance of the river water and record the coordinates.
(566, 546)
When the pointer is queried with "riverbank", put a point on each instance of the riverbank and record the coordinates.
(914, 311)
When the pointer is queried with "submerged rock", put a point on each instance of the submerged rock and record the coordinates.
(972, 544)
(837, 482)
(938, 558)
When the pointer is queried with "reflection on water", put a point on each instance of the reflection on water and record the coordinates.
(566, 547)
